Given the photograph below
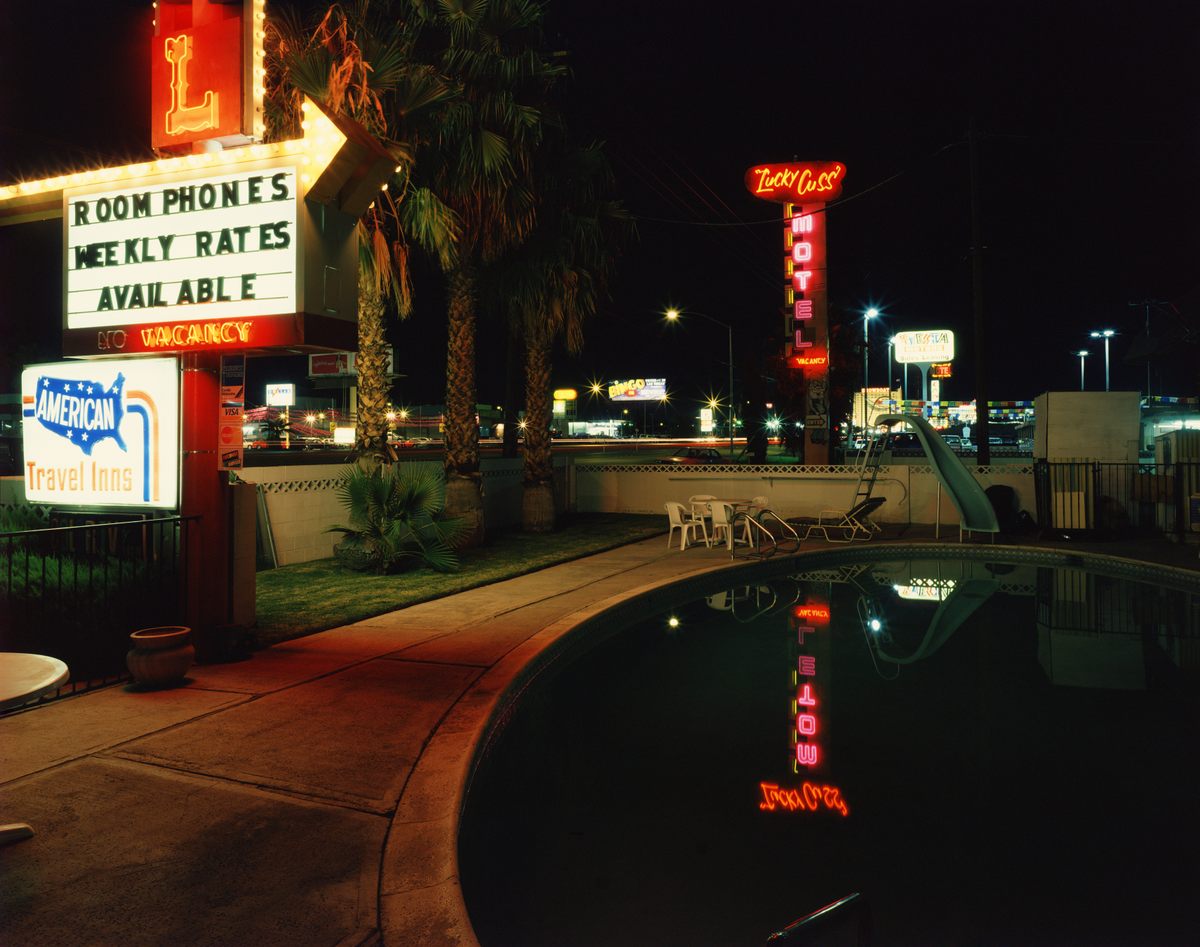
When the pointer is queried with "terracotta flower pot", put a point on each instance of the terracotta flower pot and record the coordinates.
(160, 656)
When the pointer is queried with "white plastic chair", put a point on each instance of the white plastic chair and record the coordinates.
(758, 504)
(700, 504)
(681, 520)
(722, 513)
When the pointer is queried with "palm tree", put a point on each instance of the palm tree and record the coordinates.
(479, 166)
(361, 64)
(552, 284)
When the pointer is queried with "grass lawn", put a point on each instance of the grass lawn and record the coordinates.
(312, 596)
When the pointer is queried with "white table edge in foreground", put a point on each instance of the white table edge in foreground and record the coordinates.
(25, 677)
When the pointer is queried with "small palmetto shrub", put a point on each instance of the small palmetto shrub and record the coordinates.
(397, 518)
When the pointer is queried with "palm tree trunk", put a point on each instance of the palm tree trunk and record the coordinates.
(537, 503)
(464, 497)
(371, 425)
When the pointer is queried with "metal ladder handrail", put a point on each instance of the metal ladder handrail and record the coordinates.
(758, 529)
(787, 527)
(757, 532)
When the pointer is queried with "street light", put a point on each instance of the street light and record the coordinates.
(673, 316)
(1104, 334)
(891, 345)
(1082, 353)
(867, 317)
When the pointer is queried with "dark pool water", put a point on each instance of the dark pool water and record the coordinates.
(1006, 758)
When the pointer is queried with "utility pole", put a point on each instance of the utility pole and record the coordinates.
(984, 454)
(1146, 304)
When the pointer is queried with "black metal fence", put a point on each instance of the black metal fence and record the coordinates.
(1118, 499)
(75, 592)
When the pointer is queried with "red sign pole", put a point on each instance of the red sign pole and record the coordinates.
(205, 494)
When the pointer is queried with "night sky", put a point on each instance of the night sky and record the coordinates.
(1086, 114)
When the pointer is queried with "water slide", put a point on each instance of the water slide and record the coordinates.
(974, 508)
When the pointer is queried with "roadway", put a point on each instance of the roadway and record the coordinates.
(599, 450)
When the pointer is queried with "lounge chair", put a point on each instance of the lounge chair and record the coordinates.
(854, 524)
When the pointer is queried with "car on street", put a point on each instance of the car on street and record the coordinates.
(415, 442)
(696, 455)
(905, 442)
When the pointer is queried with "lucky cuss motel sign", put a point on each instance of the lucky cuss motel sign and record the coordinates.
(804, 189)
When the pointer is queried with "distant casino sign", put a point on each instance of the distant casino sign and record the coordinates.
(102, 434)
(924, 347)
(638, 389)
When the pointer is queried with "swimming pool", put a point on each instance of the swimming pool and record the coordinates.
(992, 750)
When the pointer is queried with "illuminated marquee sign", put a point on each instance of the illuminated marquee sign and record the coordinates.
(941, 370)
(217, 251)
(102, 433)
(206, 72)
(935, 345)
(173, 254)
(638, 389)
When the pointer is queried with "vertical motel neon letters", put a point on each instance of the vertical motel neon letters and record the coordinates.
(800, 266)
(182, 117)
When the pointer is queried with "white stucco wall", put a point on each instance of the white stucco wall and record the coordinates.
(302, 502)
(911, 490)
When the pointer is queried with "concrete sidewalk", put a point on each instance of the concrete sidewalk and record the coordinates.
(279, 800)
(308, 795)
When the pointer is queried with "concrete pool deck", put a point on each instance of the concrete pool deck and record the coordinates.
(310, 794)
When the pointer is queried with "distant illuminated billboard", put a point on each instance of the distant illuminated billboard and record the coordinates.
(924, 347)
(638, 389)
(281, 395)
